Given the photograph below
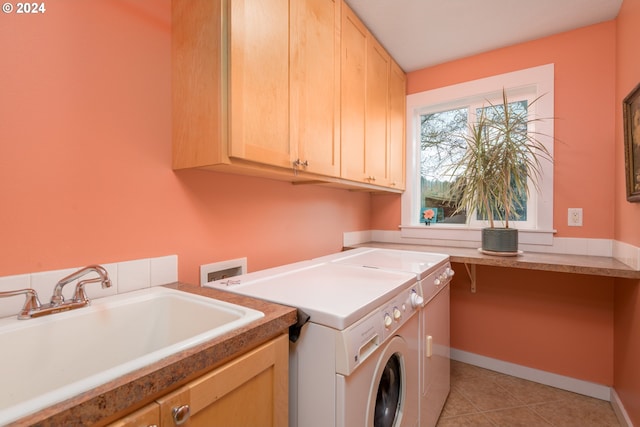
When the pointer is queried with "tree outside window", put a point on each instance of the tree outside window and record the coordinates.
(442, 146)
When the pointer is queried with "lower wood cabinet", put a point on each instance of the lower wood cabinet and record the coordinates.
(251, 390)
(146, 417)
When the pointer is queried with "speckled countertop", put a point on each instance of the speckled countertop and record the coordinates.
(116, 398)
(579, 264)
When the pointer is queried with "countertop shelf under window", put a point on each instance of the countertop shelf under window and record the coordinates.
(561, 263)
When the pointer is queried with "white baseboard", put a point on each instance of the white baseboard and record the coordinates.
(586, 388)
(618, 408)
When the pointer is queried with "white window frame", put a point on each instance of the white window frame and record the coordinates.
(539, 82)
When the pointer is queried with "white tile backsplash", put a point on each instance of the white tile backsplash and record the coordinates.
(600, 247)
(163, 270)
(575, 246)
(623, 252)
(627, 254)
(355, 237)
(134, 275)
(125, 276)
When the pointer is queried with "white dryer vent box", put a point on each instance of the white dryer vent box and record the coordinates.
(222, 270)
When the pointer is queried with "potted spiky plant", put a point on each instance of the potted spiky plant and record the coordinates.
(502, 157)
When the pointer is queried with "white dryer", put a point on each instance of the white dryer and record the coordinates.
(355, 360)
(433, 272)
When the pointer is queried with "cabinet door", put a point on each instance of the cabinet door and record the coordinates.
(197, 82)
(259, 81)
(353, 95)
(376, 114)
(397, 126)
(315, 85)
(252, 390)
(145, 417)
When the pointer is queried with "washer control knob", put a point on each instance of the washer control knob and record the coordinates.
(437, 282)
(397, 314)
(387, 320)
(450, 272)
(416, 300)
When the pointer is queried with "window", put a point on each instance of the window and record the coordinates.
(430, 157)
(442, 146)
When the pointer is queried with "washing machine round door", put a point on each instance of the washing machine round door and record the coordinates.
(388, 388)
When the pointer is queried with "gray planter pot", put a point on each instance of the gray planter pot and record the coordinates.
(500, 240)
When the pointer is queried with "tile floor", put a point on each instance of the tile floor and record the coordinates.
(480, 397)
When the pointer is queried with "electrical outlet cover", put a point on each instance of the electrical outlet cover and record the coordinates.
(575, 217)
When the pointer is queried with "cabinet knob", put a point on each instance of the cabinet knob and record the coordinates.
(299, 162)
(181, 414)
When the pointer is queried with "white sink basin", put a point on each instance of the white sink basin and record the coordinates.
(52, 358)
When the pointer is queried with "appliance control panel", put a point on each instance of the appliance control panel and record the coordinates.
(361, 339)
(435, 281)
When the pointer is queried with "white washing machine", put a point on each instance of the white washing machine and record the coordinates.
(355, 361)
(433, 272)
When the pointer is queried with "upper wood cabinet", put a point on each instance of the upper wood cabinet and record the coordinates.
(258, 38)
(230, 82)
(377, 114)
(256, 81)
(373, 90)
(353, 96)
(289, 89)
(198, 84)
(397, 126)
(315, 85)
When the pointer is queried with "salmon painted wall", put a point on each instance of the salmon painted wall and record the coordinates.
(556, 322)
(554, 318)
(85, 156)
(584, 96)
(627, 222)
(627, 225)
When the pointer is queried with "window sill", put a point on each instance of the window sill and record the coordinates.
(448, 235)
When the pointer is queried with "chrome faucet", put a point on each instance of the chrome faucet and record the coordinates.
(79, 295)
(33, 308)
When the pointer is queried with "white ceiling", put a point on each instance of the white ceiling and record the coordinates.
(422, 33)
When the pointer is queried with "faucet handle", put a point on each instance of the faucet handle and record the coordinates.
(31, 303)
(80, 294)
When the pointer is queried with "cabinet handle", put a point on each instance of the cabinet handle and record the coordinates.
(181, 414)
